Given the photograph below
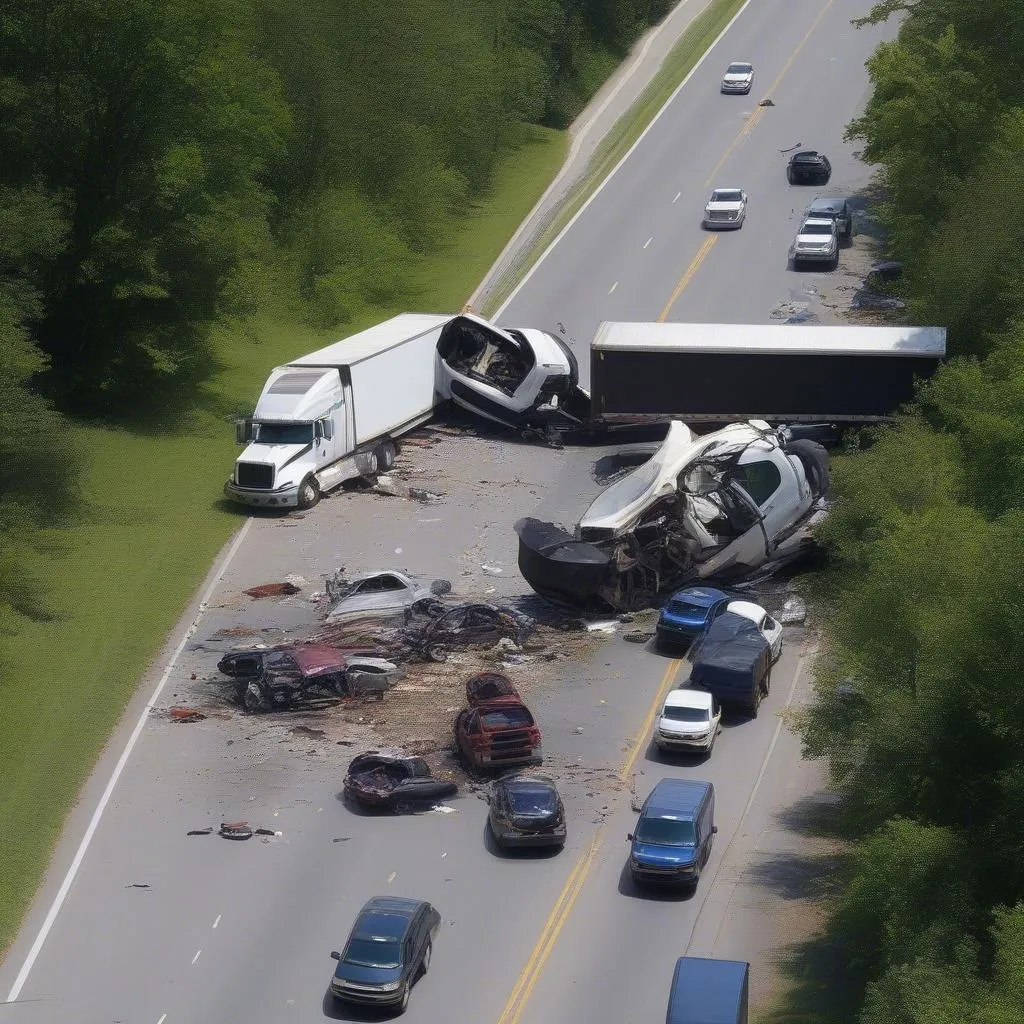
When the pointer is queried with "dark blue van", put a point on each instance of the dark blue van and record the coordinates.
(672, 839)
(708, 992)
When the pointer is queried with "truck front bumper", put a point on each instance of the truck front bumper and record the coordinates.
(282, 497)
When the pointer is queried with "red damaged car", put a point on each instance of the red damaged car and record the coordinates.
(496, 729)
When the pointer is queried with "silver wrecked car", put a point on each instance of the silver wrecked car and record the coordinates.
(381, 595)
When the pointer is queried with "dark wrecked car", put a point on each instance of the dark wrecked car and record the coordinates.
(466, 625)
(496, 729)
(520, 378)
(526, 810)
(808, 167)
(714, 507)
(402, 784)
(281, 677)
(733, 662)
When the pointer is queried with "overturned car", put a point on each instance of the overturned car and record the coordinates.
(712, 507)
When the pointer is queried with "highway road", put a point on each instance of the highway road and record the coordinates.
(157, 926)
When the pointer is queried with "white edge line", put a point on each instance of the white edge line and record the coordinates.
(163, 1017)
(679, 88)
(216, 921)
(196, 957)
(90, 831)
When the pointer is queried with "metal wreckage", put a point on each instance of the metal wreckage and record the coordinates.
(717, 506)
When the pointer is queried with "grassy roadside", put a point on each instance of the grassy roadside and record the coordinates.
(692, 45)
(122, 576)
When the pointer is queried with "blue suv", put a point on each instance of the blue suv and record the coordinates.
(688, 613)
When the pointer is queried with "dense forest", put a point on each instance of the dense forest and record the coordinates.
(919, 698)
(170, 163)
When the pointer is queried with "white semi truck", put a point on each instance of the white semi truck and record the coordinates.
(336, 414)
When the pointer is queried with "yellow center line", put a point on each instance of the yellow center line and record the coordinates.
(756, 116)
(690, 271)
(574, 884)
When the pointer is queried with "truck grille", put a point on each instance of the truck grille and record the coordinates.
(256, 475)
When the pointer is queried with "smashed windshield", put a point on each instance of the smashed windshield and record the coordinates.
(284, 433)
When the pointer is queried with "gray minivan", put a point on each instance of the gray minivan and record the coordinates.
(672, 839)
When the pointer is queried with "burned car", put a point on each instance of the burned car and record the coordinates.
(713, 507)
(381, 595)
(466, 625)
(402, 784)
(521, 378)
(496, 729)
(280, 677)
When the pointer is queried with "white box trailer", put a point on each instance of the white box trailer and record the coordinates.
(335, 414)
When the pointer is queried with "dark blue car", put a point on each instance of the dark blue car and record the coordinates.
(388, 949)
(688, 613)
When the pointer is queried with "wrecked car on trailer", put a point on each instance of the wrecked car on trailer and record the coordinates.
(496, 729)
(711, 507)
(280, 677)
(397, 782)
(521, 378)
(381, 595)
(466, 625)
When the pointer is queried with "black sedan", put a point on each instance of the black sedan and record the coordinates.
(402, 784)
(808, 167)
(526, 810)
(387, 951)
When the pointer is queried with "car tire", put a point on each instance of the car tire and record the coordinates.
(404, 807)
(385, 453)
(403, 1004)
(438, 653)
(309, 492)
(425, 963)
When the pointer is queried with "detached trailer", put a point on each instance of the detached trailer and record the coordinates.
(722, 373)
(336, 414)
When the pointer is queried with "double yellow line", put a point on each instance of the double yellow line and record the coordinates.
(578, 876)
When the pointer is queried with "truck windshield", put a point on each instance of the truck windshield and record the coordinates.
(284, 433)
(666, 832)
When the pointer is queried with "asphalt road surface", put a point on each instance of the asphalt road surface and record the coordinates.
(162, 927)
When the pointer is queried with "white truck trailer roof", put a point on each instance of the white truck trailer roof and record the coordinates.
(374, 340)
(779, 339)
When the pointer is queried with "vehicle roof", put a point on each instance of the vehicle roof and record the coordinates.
(746, 63)
(685, 697)
(807, 154)
(704, 597)
(748, 609)
(358, 577)
(375, 340)
(675, 796)
(765, 338)
(313, 658)
(707, 991)
(827, 221)
(386, 915)
(527, 781)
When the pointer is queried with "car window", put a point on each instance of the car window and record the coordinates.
(666, 832)
(759, 479)
(769, 623)
(504, 718)
(676, 714)
(374, 952)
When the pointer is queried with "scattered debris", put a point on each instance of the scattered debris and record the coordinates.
(491, 570)
(766, 103)
(865, 299)
(305, 730)
(443, 809)
(604, 626)
(273, 590)
(235, 830)
(424, 496)
(794, 612)
(341, 839)
(295, 580)
(180, 714)
(138, 885)
(638, 636)
(200, 831)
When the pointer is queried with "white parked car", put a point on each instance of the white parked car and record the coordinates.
(738, 77)
(727, 208)
(817, 241)
(768, 627)
(689, 720)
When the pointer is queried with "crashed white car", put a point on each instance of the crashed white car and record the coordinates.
(738, 77)
(712, 507)
(768, 627)
(727, 208)
(380, 595)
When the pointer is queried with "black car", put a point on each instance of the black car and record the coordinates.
(808, 167)
(838, 210)
(400, 783)
(466, 625)
(526, 810)
(388, 949)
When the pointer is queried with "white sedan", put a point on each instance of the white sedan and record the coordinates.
(769, 628)
(727, 208)
(690, 720)
(738, 77)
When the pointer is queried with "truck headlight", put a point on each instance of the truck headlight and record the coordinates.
(391, 986)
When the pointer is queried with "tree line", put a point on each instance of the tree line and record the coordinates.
(170, 163)
(919, 703)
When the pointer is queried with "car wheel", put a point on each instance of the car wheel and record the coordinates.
(386, 453)
(437, 652)
(425, 965)
(835, 262)
(756, 705)
(404, 1004)
(404, 807)
(309, 493)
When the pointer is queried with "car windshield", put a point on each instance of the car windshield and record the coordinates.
(284, 433)
(695, 611)
(727, 195)
(504, 718)
(739, 69)
(676, 714)
(666, 832)
(529, 800)
(816, 229)
(373, 952)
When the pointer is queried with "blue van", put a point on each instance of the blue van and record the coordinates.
(708, 992)
(672, 839)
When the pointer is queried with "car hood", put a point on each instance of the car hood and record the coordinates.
(814, 240)
(737, 77)
(366, 975)
(671, 725)
(364, 604)
(724, 207)
(546, 350)
(664, 856)
(276, 455)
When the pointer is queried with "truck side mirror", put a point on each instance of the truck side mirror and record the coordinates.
(328, 429)
(243, 430)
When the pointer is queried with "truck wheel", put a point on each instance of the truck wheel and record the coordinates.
(385, 453)
(309, 492)
(437, 652)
